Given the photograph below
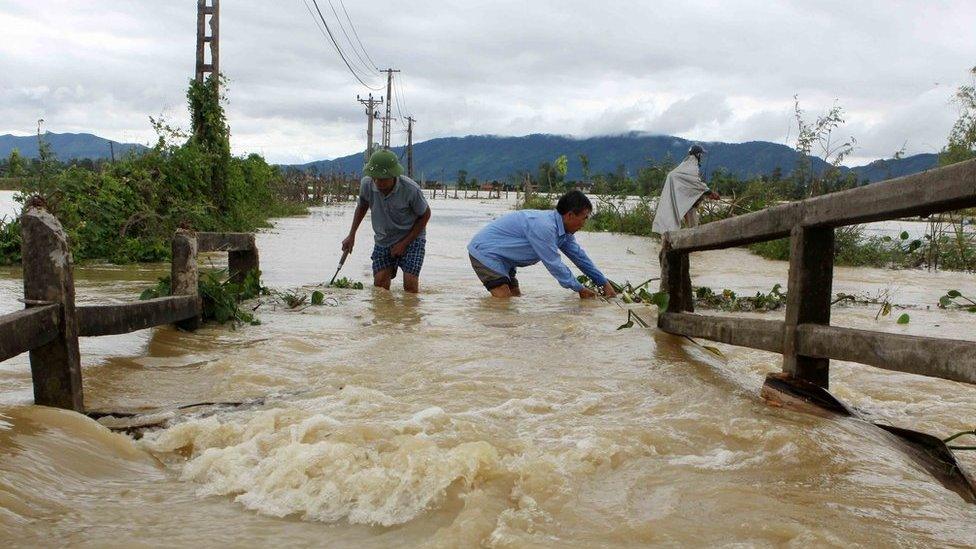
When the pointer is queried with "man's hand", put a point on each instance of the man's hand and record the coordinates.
(586, 293)
(398, 249)
(348, 243)
(608, 290)
(713, 195)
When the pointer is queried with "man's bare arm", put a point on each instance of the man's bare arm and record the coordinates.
(357, 219)
(400, 247)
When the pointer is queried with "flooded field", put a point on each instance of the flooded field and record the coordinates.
(449, 419)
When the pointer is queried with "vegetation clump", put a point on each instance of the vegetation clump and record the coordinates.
(220, 295)
(727, 300)
(127, 211)
(346, 283)
(954, 299)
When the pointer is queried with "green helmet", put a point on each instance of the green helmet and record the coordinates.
(383, 164)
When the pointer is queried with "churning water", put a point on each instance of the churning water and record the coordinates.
(451, 420)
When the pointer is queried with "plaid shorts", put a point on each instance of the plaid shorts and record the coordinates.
(411, 261)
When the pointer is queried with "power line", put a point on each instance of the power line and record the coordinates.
(336, 44)
(356, 34)
(369, 69)
(403, 97)
(399, 107)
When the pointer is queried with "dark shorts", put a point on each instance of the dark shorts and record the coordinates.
(492, 279)
(411, 261)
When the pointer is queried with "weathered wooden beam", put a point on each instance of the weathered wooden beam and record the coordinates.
(55, 366)
(184, 276)
(744, 332)
(928, 356)
(24, 330)
(676, 277)
(769, 224)
(808, 299)
(224, 242)
(100, 320)
(937, 190)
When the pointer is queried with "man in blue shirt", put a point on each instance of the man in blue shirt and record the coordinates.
(525, 237)
(399, 216)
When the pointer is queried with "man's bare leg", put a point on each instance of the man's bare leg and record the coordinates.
(502, 291)
(411, 283)
(381, 279)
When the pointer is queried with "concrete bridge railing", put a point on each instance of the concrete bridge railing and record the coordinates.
(50, 325)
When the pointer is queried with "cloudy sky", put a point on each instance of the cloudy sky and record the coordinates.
(704, 70)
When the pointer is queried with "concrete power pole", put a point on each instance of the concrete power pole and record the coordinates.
(208, 9)
(389, 101)
(370, 104)
(410, 121)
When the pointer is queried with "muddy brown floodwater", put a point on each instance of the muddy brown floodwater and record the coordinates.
(452, 420)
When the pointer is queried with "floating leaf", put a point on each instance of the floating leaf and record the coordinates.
(945, 301)
(953, 293)
(713, 350)
(317, 297)
(972, 309)
(904, 235)
(904, 319)
(661, 299)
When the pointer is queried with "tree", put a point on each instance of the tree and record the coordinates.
(962, 137)
(462, 179)
(819, 140)
(211, 134)
(16, 165)
(561, 167)
(585, 165)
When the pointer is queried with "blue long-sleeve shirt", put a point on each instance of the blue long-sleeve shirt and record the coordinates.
(524, 238)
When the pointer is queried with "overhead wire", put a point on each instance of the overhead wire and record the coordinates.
(368, 66)
(356, 34)
(336, 44)
(397, 95)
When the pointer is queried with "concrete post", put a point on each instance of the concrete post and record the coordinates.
(55, 366)
(184, 276)
(241, 262)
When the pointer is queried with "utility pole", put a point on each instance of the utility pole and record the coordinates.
(410, 121)
(389, 101)
(370, 104)
(208, 9)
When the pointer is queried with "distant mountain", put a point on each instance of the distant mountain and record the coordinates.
(490, 157)
(879, 170)
(66, 146)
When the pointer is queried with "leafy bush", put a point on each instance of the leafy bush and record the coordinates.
(127, 211)
(535, 202)
(620, 217)
(221, 297)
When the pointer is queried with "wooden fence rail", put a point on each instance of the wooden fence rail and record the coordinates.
(805, 337)
(51, 324)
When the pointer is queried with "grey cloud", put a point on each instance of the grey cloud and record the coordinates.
(507, 67)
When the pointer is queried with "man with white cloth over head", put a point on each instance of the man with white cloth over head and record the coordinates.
(683, 189)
